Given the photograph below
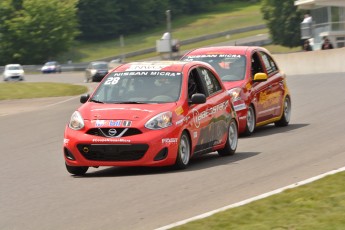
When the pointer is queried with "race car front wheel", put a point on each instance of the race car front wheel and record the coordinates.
(77, 170)
(250, 122)
(232, 140)
(183, 152)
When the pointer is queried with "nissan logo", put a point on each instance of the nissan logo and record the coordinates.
(112, 132)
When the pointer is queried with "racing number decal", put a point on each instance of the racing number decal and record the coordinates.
(112, 81)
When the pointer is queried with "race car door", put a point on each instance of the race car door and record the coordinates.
(216, 128)
(261, 90)
(276, 84)
(199, 114)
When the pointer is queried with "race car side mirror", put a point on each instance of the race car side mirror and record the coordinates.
(198, 98)
(258, 77)
(84, 98)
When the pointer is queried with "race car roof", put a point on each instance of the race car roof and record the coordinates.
(241, 50)
(174, 66)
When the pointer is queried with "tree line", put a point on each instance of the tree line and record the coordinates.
(33, 31)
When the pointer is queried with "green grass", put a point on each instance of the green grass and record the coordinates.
(274, 49)
(318, 206)
(21, 90)
(222, 17)
(205, 43)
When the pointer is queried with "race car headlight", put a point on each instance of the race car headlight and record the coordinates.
(235, 94)
(160, 121)
(93, 71)
(76, 122)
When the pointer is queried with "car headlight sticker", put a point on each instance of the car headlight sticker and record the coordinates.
(77, 121)
(160, 121)
(235, 94)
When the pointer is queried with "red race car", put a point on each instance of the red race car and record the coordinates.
(257, 86)
(151, 114)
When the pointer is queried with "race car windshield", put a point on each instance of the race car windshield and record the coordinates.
(230, 67)
(137, 87)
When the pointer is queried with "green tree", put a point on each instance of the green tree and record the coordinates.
(36, 31)
(283, 21)
(107, 19)
(99, 19)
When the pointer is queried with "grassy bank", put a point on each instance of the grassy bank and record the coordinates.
(21, 90)
(222, 17)
(318, 206)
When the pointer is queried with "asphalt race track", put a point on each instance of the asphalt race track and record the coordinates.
(37, 193)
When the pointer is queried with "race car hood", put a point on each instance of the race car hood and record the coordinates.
(133, 112)
(233, 84)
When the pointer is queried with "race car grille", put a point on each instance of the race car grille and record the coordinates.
(125, 152)
(111, 132)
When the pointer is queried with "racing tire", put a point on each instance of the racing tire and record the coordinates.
(231, 141)
(250, 121)
(183, 152)
(285, 119)
(77, 170)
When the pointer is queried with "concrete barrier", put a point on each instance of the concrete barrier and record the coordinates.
(319, 61)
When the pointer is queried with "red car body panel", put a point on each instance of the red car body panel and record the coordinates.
(206, 124)
(267, 97)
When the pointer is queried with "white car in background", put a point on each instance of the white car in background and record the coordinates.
(13, 72)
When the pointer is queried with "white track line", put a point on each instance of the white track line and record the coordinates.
(60, 102)
(207, 214)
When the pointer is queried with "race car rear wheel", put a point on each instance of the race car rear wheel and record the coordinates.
(183, 153)
(285, 119)
(77, 170)
(250, 121)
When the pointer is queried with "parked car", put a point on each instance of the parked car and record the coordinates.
(51, 67)
(96, 71)
(258, 87)
(151, 114)
(13, 72)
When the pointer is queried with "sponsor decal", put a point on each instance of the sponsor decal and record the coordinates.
(147, 67)
(126, 123)
(114, 123)
(170, 74)
(99, 123)
(196, 57)
(185, 119)
(248, 86)
(242, 118)
(267, 100)
(179, 110)
(110, 140)
(116, 76)
(111, 123)
(198, 116)
(195, 134)
(169, 140)
(240, 107)
(65, 141)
